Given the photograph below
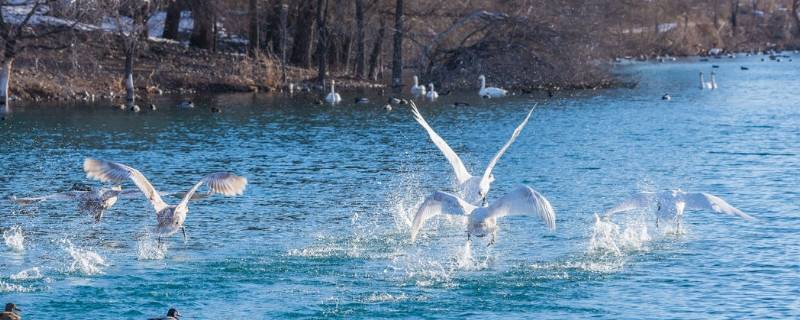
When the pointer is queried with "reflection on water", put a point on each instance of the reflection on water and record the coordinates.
(323, 228)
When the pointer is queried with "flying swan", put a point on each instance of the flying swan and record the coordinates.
(482, 221)
(472, 189)
(170, 218)
(671, 204)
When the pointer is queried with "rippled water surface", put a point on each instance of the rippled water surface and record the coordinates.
(323, 228)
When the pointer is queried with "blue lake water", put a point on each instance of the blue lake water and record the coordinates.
(322, 230)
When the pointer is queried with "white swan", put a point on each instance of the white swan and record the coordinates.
(713, 80)
(490, 92)
(333, 97)
(473, 189)
(704, 84)
(417, 90)
(170, 218)
(671, 204)
(482, 221)
(94, 201)
(432, 94)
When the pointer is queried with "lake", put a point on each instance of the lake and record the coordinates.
(323, 227)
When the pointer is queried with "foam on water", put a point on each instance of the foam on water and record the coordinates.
(27, 274)
(14, 239)
(148, 248)
(10, 287)
(84, 261)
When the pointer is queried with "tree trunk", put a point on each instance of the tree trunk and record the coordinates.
(795, 9)
(253, 44)
(284, 17)
(397, 56)
(301, 50)
(322, 41)
(360, 39)
(734, 13)
(716, 14)
(130, 94)
(376, 51)
(202, 32)
(172, 22)
(5, 78)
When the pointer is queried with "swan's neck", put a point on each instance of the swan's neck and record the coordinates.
(416, 81)
(332, 88)
(483, 83)
(432, 89)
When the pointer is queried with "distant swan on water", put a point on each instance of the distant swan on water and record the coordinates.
(671, 204)
(170, 218)
(482, 221)
(432, 94)
(490, 92)
(707, 85)
(333, 97)
(473, 189)
(94, 201)
(417, 90)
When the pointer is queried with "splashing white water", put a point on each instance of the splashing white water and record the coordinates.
(84, 261)
(14, 239)
(10, 287)
(27, 274)
(148, 248)
(607, 238)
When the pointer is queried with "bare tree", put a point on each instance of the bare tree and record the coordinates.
(172, 22)
(203, 13)
(130, 18)
(19, 33)
(322, 40)
(304, 25)
(253, 43)
(360, 39)
(376, 51)
(397, 51)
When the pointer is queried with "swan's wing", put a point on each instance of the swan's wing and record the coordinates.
(462, 175)
(224, 183)
(131, 193)
(62, 196)
(636, 201)
(108, 171)
(705, 201)
(439, 203)
(517, 131)
(524, 201)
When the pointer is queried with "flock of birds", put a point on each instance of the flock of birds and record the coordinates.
(420, 91)
(469, 204)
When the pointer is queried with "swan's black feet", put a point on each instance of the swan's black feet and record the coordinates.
(491, 242)
(183, 229)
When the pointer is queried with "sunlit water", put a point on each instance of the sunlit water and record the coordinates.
(323, 228)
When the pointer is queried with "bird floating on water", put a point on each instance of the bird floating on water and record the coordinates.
(170, 218)
(666, 96)
(482, 221)
(473, 189)
(490, 92)
(671, 204)
(333, 97)
(432, 94)
(361, 100)
(744, 68)
(707, 84)
(417, 90)
(186, 104)
(172, 314)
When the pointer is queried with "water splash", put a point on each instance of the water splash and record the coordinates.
(27, 274)
(148, 248)
(84, 261)
(608, 239)
(14, 239)
(10, 287)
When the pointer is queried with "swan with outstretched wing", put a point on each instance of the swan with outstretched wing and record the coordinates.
(482, 221)
(473, 189)
(672, 204)
(170, 218)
